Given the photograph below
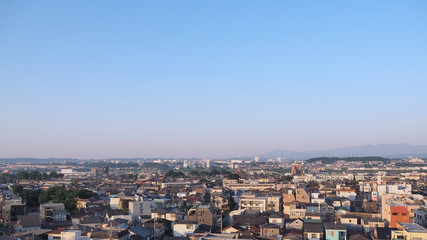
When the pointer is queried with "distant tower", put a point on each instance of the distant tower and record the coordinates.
(208, 163)
(256, 159)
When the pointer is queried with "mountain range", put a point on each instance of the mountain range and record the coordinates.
(402, 150)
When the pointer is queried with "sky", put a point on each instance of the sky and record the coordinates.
(104, 79)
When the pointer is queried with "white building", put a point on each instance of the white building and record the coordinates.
(396, 189)
(140, 208)
(72, 235)
(254, 203)
(185, 228)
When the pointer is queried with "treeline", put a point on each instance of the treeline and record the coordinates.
(56, 194)
(36, 175)
(24, 175)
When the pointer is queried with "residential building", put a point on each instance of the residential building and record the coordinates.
(185, 228)
(409, 231)
(335, 232)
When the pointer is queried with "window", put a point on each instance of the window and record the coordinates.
(394, 214)
(404, 214)
(332, 233)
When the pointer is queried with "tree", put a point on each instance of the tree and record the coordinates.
(233, 176)
(17, 189)
(22, 175)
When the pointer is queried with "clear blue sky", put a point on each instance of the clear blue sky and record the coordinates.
(97, 79)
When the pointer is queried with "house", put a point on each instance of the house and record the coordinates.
(72, 235)
(235, 228)
(27, 223)
(101, 235)
(312, 208)
(288, 197)
(381, 233)
(295, 224)
(369, 224)
(277, 219)
(269, 230)
(347, 193)
(91, 221)
(302, 196)
(335, 232)
(358, 236)
(409, 231)
(313, 231)
(249, 220)
(313, 218)
(204, 215)
(184, 228)
(349, 219)
(145, 233)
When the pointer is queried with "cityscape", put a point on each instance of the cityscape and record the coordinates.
(213, 120)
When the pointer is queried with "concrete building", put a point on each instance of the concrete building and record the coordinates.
(52, 212)
(253, 203)
(185, 228)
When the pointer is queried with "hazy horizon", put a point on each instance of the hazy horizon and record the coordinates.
(103, 79)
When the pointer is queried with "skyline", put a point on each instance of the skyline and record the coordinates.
(213, 79)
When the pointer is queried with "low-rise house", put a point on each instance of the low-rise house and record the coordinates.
(409, 231)
(313, 231)
(27, 223)
(380, 233)
(145, 233)
(102, 235)
(296, 224)
(277, 219)
(369, 224)
(269, 230)
(302, 196)
(349, 219)
(204, 215)
(313, 218)
(335, 232)
(184, 228)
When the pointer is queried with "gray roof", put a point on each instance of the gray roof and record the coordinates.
(313, 227)
(335, 227)
(141, 231)
(27, 221)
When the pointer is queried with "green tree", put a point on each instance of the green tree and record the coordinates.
(17, 189)
(22, 175)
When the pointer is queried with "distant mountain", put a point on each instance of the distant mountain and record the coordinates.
(384, 150)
